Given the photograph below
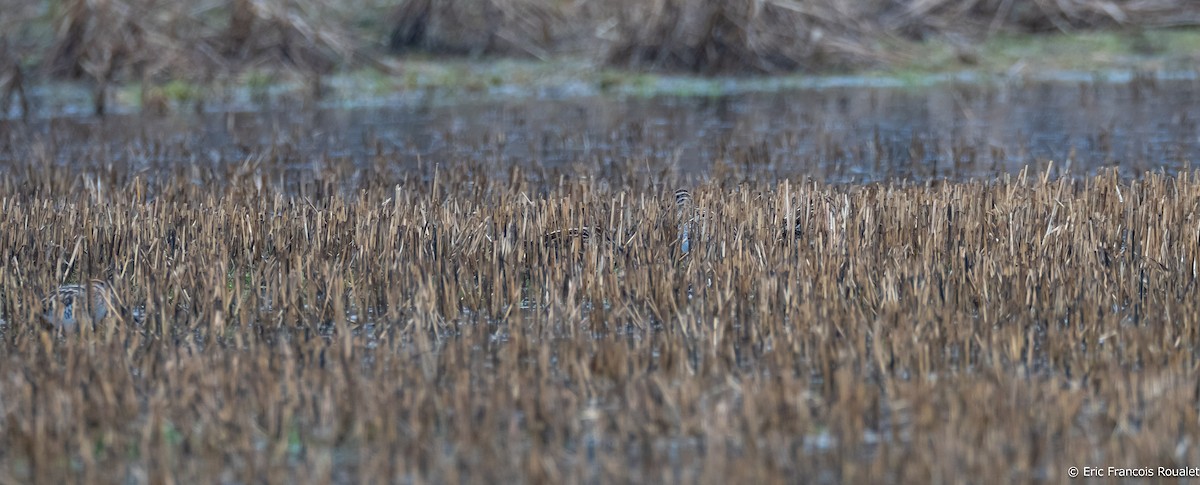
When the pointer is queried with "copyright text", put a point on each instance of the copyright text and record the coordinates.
(1137, 472)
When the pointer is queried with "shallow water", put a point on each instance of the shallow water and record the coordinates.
(952, 130)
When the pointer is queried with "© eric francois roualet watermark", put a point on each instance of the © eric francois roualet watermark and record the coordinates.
(1133, 472)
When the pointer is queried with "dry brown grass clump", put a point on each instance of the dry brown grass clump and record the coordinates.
(152, 41)
(529, 28)
(750, 36)
(1048, 15)
(12, 84)
(712, 36)
(150, 37)
(451, 325)
(783, 35)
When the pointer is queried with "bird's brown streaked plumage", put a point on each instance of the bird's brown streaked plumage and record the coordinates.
(563, 235)
(792, 226)
(684, 203)
(65, 307)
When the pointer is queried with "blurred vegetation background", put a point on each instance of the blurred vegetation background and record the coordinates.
(153, 41)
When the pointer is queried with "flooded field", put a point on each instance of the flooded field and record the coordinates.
(851, 133)
(969, 282)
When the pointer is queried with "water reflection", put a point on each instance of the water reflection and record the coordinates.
(843, 134)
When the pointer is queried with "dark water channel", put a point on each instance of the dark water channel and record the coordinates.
(847, 134)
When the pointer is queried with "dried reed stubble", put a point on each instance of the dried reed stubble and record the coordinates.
(920, 330)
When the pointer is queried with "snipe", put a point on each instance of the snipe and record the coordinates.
(67, 305)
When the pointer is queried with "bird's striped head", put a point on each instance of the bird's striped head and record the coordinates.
(683, 198)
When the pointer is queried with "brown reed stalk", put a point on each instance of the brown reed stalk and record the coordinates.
(1009, 327)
